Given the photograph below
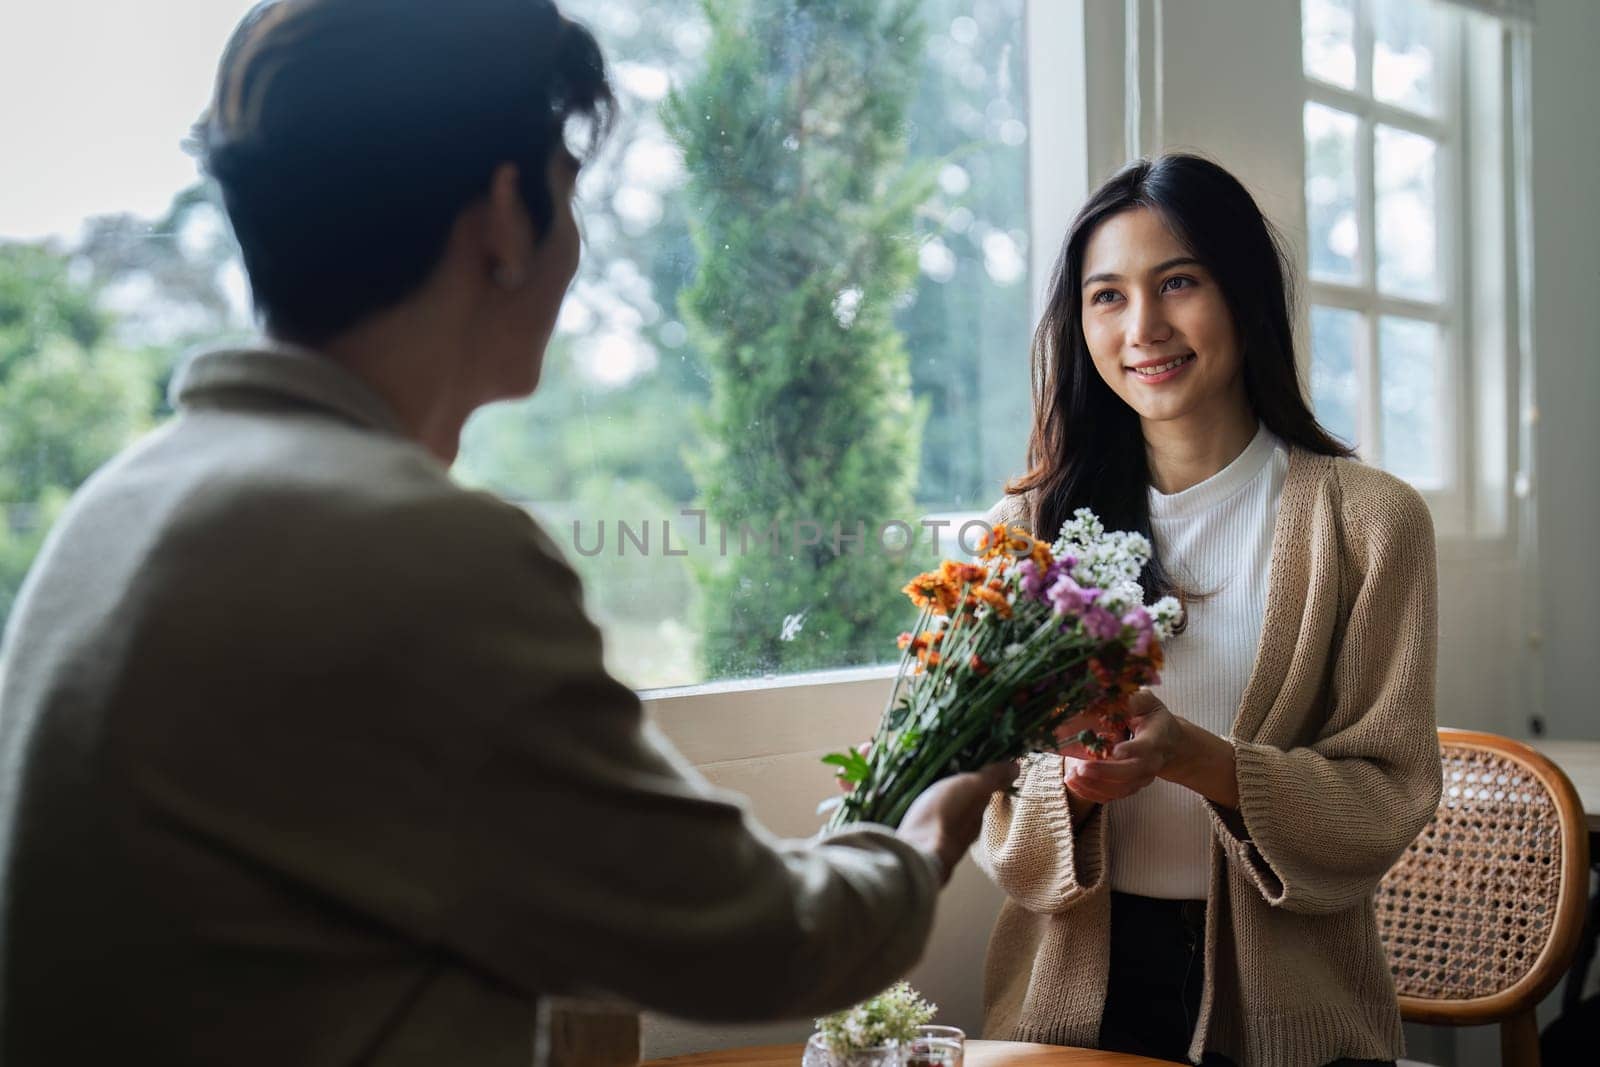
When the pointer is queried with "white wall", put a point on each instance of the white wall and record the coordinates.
(1566, 344)
(1566, 198)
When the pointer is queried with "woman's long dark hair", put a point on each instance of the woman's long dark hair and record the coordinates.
(1086, 448)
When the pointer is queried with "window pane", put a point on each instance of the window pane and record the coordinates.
(1405, 54)
(1331, 194)
(1335, 383)
(1408, 360)
(1328, 33)
(693, 262)
(113, 258)
(1407, 207)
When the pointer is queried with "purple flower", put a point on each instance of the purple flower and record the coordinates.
(1101, 624)
(1067, 597)
(1032, 579)
(1059, 567)
(1144, 629)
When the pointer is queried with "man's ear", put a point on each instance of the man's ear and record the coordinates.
(508, 230)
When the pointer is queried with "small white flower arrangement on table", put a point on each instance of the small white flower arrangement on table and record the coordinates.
(878, 1032)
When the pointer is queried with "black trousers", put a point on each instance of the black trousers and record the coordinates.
(1157, 974)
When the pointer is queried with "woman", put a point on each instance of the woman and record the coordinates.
(1204, 893)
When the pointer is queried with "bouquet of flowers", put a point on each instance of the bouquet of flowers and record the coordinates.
(1034, 647)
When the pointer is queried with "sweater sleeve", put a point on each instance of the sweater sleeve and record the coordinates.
(1031, 850)
(596, 858)
(1319, 825)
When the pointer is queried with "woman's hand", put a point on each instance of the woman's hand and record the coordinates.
(1162, 746)
(1157, 741)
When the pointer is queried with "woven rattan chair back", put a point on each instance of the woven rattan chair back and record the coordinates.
(1483, 913)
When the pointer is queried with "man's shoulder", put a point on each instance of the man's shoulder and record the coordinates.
(322, 506)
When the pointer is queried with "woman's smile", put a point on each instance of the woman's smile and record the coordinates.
(1155, 371)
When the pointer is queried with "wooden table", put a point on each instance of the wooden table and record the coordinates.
(1580, 761)
(979, 1054)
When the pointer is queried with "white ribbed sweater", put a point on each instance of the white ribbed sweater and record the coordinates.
(1217, 537)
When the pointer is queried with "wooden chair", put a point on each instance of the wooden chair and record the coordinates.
(1482, 915)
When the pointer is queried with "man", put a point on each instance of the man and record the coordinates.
(309, 754)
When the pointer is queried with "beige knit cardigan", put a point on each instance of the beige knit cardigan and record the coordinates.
(1338, 770)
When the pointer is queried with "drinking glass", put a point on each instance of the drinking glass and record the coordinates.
(937, 1046)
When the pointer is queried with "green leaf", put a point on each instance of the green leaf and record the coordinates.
(852, 766)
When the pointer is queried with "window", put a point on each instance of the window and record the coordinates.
(744, 371)
(1383, 132)
(774, 471)
(113, 259)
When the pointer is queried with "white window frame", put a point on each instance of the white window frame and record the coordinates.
(1447, 497)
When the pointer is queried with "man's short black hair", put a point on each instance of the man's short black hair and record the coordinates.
(348, 135)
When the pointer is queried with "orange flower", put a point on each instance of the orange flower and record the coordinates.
(923, 641)
(1012, 542)
(930, 590)
(979, 667)
(956, 574)
(1102, 674)
(996, 600)
(989, 541)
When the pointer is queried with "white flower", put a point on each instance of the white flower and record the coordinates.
(1166, 613)
(1082, 529)
(1122, 597)
(1104, 560)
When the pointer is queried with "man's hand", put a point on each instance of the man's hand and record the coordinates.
(946, 818)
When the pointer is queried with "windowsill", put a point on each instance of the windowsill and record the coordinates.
(763, 718)
(665, 698)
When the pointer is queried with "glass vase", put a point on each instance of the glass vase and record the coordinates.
(817, 1054)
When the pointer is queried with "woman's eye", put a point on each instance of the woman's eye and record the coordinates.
(1104, 296)
(1178, 281)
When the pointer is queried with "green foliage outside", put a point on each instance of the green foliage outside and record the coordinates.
(794, 138)
(81, 377)
(70, 397)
